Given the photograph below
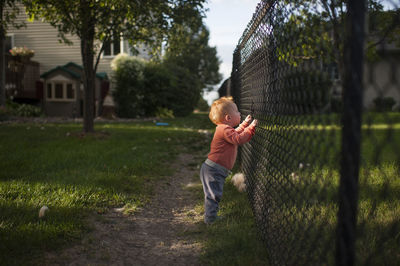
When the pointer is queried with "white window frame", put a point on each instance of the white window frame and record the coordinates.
(53, 91)
(121, 49)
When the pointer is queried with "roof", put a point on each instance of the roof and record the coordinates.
(75, 74)
(72, 73)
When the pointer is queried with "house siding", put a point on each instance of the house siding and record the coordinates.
(49, 51)
(43, 39)
(61, 109)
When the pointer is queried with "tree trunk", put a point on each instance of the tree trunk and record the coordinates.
(2, 62)
(2, 73)
(88, 79)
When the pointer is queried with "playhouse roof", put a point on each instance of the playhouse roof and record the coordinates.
(75, 74)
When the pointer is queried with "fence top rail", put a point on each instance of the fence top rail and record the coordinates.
(260, 13)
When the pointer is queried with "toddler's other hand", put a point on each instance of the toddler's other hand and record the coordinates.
(248, 119)
(254, 123)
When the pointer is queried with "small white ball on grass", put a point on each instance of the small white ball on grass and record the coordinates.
(294, 176)
(238, 181)
(42, 211)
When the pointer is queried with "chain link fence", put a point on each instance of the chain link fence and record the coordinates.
(323, 175)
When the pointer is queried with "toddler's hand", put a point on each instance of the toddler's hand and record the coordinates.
(254, 123)
(248, 119)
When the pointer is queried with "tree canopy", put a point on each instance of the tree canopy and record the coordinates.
(175, 83)
(317, 29)
(98, 20)
(193, 52)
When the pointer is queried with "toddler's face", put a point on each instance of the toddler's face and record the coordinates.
(235, 116)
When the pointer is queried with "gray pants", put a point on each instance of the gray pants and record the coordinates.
(212, 177)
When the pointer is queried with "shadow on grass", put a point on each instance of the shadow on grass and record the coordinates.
(24, 236)
(293, 180)
(126, 157)
(74, 176)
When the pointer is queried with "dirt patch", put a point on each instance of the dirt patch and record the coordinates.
(153, 236)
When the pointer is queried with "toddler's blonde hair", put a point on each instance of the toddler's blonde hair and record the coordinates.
(220, 108)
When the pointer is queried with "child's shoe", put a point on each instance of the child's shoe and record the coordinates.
(213, 220)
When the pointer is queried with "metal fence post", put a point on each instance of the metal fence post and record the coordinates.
(351, 134)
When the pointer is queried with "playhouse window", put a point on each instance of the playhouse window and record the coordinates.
(70, 91)
(49, 91)
(60, 91)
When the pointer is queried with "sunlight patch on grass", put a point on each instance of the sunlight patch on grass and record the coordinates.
(75, 175)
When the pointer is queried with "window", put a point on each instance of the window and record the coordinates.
(70, 91)
(113, 47)
(9, 43)
(332, 71)
(60, 91)
(49, 91)
(335, 72)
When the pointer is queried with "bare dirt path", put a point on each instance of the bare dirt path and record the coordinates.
(153, 236)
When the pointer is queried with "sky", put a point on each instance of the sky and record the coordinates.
(226, 20)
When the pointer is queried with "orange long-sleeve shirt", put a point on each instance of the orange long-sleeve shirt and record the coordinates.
(225, 142)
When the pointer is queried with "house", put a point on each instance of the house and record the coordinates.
(59, 63)
(381, 76)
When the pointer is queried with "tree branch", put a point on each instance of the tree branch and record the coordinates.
(326, 6)
(98, 57)
(389, 29)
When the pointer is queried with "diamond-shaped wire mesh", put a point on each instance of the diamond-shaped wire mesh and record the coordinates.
(291, 70)
(378, 241)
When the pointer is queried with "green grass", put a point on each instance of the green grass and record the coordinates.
(77, 176)
(310, 210)
(304, 208)
(51, 164)
(234, 240)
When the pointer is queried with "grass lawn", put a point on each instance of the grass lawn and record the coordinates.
(305, 219)
(296, 207)
(51, 165)
(234, 240)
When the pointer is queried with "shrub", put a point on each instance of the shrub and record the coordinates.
(4, 113)
(164, 113)
(184, 92)
(27, 110)
(202, 105)
(16, 109)
(129, 90)
(157, 81)
(172, 87)
(145, 88)
(384, 104)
